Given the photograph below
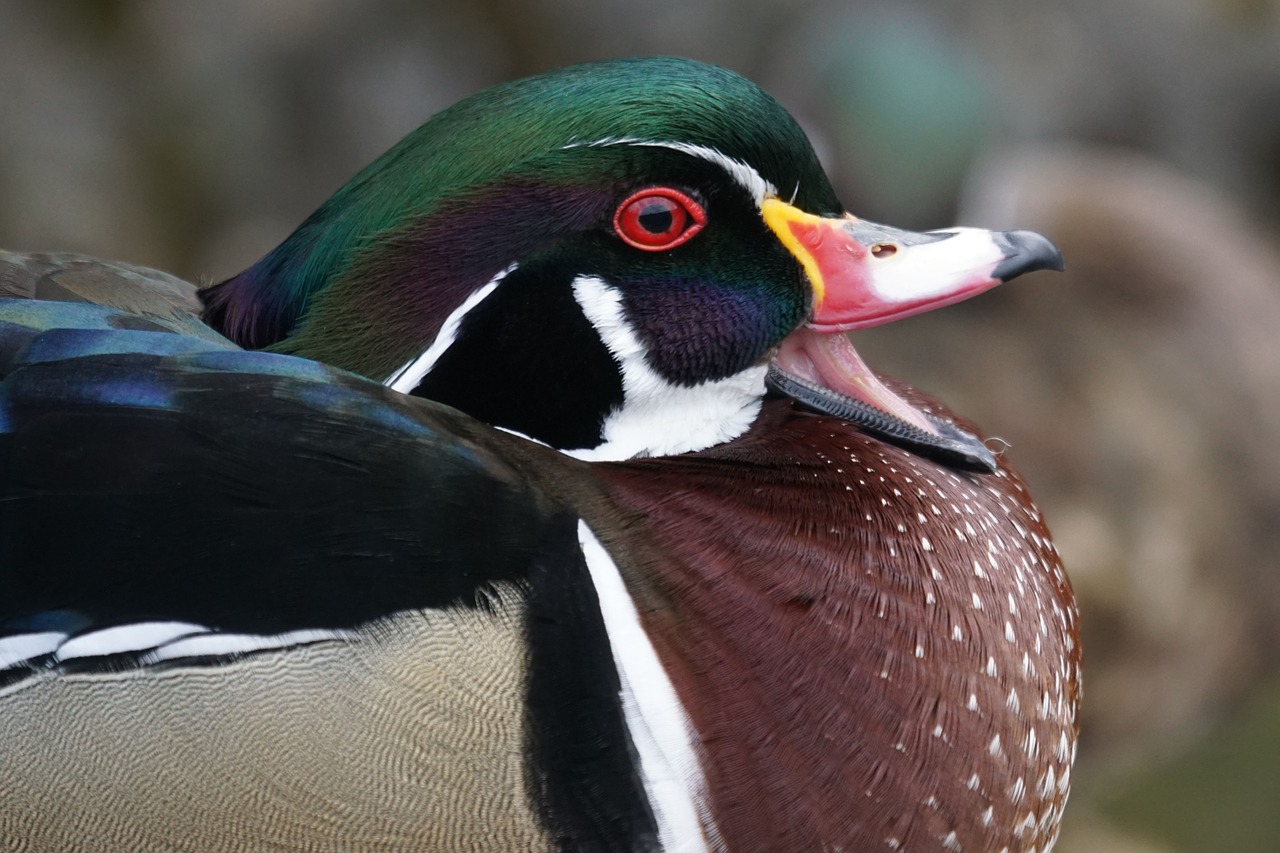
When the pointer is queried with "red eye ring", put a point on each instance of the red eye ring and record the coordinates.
(656, 219)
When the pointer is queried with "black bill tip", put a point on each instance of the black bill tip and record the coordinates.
(1025, 251)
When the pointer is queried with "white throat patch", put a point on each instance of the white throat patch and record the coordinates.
(657, 418)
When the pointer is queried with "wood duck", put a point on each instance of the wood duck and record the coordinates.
(526, 498)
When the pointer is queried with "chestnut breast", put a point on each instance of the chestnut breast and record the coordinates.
(877, 651)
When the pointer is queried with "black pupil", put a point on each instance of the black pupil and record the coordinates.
(657, 217)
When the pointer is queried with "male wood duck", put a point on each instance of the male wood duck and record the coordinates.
(526, 498)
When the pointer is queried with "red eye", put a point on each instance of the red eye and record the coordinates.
(658, 218)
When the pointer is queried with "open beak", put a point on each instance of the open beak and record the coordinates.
(862, 275)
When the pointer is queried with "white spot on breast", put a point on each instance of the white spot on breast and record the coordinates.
(1047, 782)
(1063, 753)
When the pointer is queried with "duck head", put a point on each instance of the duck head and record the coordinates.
(614, 259)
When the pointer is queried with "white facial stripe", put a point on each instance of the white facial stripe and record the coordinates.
(663, 737)
(658, 418)
(748, 178)
(917, 272)
(407, 377)
(744, 175)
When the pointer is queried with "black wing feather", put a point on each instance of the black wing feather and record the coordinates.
(244, 491)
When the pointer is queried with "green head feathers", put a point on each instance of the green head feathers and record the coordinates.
(523, 140)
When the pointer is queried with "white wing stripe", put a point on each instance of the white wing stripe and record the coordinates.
(21, 647)
(155, 641)
(660, 730)
(135, 637)
(222, 645)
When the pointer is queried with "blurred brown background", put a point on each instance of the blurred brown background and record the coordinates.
(1140, 391)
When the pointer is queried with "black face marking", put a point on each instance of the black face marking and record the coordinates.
(707, 298)
(526, 359)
